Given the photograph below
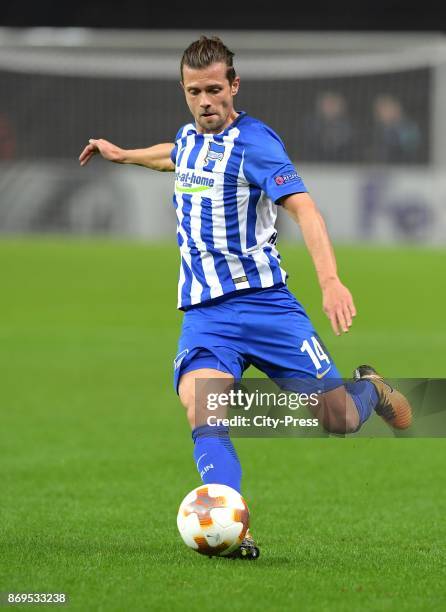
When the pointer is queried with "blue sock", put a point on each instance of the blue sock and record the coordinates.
(215, 456)
(364, 394)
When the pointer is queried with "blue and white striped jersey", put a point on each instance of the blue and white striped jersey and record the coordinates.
(226, 187)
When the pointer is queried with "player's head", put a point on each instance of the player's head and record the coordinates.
(210, 83)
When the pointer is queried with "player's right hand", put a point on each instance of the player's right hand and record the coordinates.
(105, 148)
(338, 305)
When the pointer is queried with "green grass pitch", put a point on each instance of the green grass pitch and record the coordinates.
(96, 452)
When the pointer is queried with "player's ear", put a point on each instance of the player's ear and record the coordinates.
(182, 85)
(235, 85)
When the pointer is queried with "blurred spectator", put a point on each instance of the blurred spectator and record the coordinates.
(7, 138)
(395, 138)
(329, 130)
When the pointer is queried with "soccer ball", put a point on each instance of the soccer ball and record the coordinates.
(213, 519)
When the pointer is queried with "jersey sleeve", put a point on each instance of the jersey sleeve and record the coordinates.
(267, 165)
(173, 153)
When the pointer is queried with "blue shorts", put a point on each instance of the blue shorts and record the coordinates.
(266, 328)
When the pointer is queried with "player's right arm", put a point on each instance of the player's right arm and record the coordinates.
(157, 157)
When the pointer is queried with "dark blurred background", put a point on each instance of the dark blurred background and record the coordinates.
(356, 90)
(346, 15)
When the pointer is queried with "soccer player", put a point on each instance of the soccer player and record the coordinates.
(231, 172)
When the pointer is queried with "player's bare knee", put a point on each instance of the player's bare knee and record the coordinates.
(351, 423)
(186, 392)
(187, 398)
(338, 414)
(194, 397)
(340, 424)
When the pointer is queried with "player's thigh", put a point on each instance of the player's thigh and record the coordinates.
(209, 340)
(292, 354)
(199, 392)
(281, 340)
(296, 357)
(310, 369)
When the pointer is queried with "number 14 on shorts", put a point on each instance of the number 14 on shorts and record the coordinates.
(317, 356)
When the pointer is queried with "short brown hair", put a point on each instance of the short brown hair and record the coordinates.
(206, 51)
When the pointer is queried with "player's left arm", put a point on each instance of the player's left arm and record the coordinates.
(338, 303)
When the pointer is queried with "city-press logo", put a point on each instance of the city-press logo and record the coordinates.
(192, 182)
(282, 179)
(215, 152)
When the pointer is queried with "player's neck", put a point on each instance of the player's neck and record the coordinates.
(231, 118)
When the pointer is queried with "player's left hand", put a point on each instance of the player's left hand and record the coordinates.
(338, 305)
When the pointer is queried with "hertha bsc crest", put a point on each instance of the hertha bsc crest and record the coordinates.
(215, 152)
